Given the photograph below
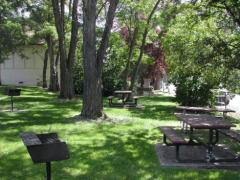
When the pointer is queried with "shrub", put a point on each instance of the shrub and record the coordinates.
(193, 91)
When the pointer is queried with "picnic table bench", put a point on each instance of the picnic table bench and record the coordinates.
(230, 133)
(174, 137)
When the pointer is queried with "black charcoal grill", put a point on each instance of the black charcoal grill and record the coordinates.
(44, 148)
(13, 92)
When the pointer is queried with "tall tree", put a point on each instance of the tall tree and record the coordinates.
(42, 23)
(143, 43)
(66, 58)
(93, 58)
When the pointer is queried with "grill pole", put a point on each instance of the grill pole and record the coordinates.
(48, 169)
(12, 103)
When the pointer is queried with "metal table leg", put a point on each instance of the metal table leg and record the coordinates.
(11, 103)
(210, 156)
(191, 135)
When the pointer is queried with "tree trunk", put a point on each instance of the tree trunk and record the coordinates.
(44, 75)
(90, 80)
(56, 66)
(66, 61)
(93, 62)
(157, 83)
(53, 84)
(130, 56)
(0, 74)
(139, 61)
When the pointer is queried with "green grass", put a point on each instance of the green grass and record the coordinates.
(123, 148)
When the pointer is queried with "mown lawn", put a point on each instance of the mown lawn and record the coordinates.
(123, 148)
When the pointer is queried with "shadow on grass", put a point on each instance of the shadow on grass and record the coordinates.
(105, 153)
(97, 150)
(156, 108)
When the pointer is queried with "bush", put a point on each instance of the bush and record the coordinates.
(78, 77)
(192, 91)
(111, 78)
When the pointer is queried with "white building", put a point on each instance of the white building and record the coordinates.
(24, 70)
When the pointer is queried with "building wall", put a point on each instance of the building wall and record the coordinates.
(234, 103)
(24, 70)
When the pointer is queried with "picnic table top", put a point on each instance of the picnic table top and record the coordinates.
(195, 108)
(204, 121)
(122, 92)
(224, 110)
(206, 109)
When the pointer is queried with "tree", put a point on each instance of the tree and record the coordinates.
(143, 43)
(196, 54)
(93, 58)
(12, 28)
(66, 58)
(42, 22)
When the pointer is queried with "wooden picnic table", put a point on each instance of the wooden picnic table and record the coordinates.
(208, 122)
(185, 109)
(194, 109)
(124, 94)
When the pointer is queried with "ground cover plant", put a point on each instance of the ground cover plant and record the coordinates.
(120, 148)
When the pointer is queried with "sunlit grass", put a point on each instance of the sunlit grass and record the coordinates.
(123, 148)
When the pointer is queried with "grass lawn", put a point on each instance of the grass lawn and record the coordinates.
(121, 149)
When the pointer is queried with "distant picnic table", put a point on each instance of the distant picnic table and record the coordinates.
(126, 97)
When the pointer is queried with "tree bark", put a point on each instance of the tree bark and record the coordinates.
(53, 84)
(66, 61)
(44, 75)
(135, 71)
(130, 56)
(89, 61)
(93, 59)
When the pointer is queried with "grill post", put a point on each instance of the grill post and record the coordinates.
(12, 103)
(48, 170)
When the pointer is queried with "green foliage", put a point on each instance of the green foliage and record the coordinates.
(12, 29)
(199, 54)
(78, 77)
(193, 91)
(112, 68)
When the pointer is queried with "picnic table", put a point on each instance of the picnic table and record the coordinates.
(185, 109)
(126, 97)
(190, 109)
(207, 122)
(124, 94)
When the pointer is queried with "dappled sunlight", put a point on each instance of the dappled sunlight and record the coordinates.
(120, 149)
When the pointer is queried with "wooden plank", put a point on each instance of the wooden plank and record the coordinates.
(194, 109)
(231, 133)
(122, 92)
(173, 136)
(204, 121)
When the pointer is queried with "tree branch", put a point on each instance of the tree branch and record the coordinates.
(101, 8)
(106, 34)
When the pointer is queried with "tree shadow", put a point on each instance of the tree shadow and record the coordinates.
(105, 153)
(156, 108)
